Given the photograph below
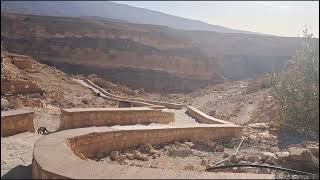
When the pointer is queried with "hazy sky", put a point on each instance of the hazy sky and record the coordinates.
(282, 18)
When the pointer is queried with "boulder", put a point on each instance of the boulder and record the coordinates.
(314, 150)
(272, 160)
(234, 159)
(189, 144)
(219, 148)
(253, 158)
(129, 156)
(266, 136)
(259, 126)
(300, 154)
(266, 155)
(153, 152)
(282, 156)
(115, 155)
(141, 157)
(134, 152)
(181, 144)
(302, 159)
(146, 147)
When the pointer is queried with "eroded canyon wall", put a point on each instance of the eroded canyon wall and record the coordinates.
(121, 52)
(156, 58)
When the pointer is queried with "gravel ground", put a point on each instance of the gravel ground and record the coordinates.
(16, 155)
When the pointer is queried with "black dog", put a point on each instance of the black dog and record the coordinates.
(43, 130)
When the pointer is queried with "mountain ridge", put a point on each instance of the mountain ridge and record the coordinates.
(115, 11)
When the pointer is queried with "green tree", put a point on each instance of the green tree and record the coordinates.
(297, 89)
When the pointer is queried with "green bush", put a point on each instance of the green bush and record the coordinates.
(297, 90)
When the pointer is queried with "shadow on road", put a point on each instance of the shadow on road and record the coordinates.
(19, 172)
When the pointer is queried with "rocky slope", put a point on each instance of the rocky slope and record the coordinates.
(25, 83)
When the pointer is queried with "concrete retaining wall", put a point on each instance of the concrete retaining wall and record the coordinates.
(136, 100)
(85, 117)
(201, 117)
(14, 122)
(87, 146)
(63, 148)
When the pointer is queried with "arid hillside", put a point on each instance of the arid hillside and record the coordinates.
(27, 83)
(155, 58)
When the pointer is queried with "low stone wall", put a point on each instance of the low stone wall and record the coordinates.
(85, 117)
(14, 122)
(65, 146)
(201, 117)
(89, 145)
(136, 100)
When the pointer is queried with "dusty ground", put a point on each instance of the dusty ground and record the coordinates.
(227, 101)
(16, 155)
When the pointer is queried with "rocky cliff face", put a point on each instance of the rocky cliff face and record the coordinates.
(117, 51)
(156, 58)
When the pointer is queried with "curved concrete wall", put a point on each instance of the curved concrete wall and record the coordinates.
(17, 121)
(64, 147)
(88, 145)
(85, 117)
(136, 100)
(201, 117)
